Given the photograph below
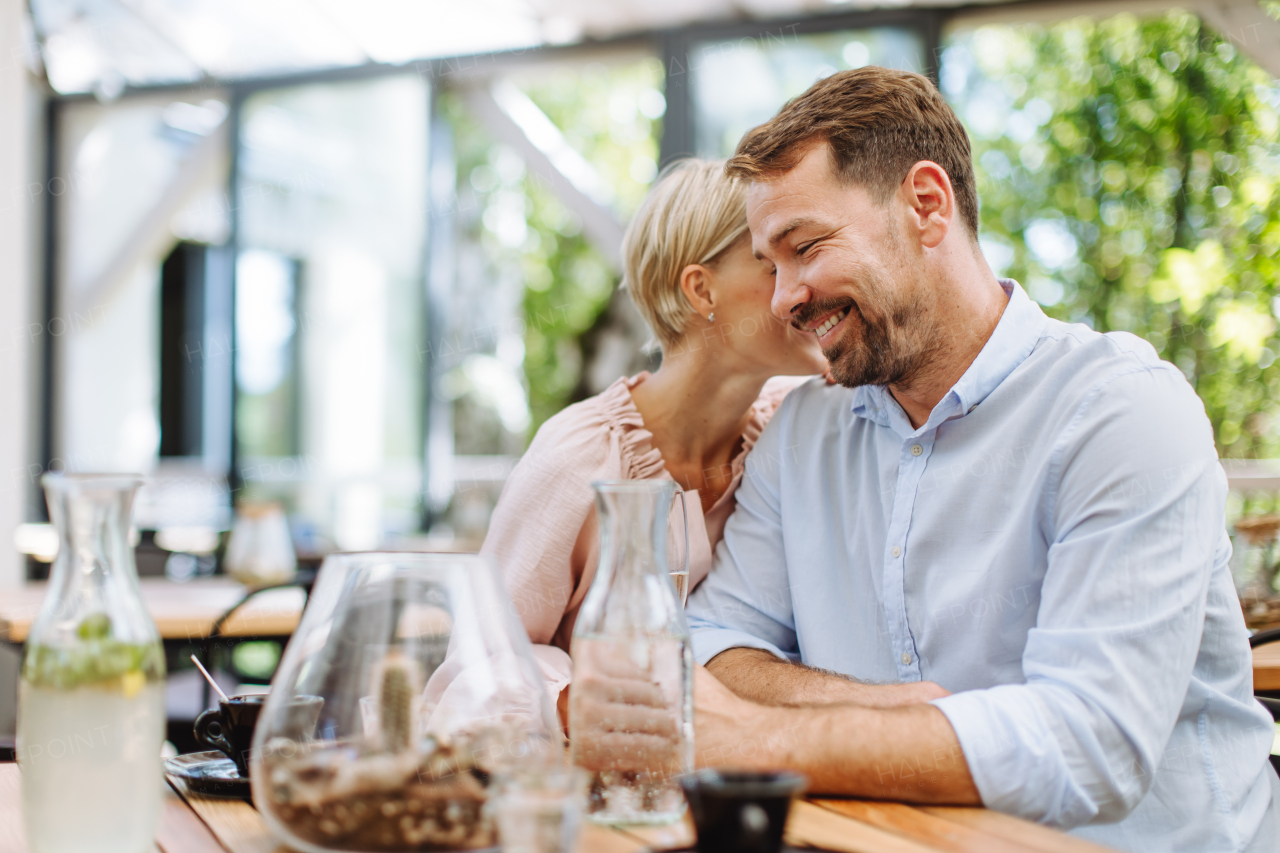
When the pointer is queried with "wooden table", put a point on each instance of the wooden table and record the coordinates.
(191, 823)
(182, 611)
(1266, 667)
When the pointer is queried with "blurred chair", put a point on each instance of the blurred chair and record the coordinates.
(1261, 638)
(305, 579)
(189, 693)
(1266, 697)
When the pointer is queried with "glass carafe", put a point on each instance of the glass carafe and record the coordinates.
(631, 703)
(408, 687)
(91, 709)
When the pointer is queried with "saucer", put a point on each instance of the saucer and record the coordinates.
(209, 773)
(785, 849)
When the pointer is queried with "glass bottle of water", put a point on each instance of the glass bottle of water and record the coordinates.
(91, 710)
(631, 702)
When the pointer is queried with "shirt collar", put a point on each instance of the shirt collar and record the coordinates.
(1013, 339)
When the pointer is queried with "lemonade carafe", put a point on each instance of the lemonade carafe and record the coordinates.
(91, 710)
(631, 701)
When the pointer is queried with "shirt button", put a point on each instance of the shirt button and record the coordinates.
(916, 450)
(906, 658)
(897, 552)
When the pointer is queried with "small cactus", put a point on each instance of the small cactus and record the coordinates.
(395, 702)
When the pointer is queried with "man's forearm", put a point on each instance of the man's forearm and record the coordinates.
(764, 678)
(908, 753)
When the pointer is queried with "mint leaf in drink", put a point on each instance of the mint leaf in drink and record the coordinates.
(104, 662)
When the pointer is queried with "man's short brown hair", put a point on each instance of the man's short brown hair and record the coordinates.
(878, 122)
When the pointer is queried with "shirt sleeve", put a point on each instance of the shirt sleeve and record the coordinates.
(745, 601)
(1136, 531)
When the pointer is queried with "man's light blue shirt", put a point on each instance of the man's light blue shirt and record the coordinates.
(1050, 547)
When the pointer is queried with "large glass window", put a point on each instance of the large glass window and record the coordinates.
(518, 237)
(740, 83)
(330, 304)
(551, 161)
(267, 341)
(133, 178)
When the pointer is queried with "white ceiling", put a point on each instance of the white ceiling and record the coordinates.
(104, 45)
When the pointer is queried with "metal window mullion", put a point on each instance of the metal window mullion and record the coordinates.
(235, 110)
(679, 133)
(52, 209)
(439, 273)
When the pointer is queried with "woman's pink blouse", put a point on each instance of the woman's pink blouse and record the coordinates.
(543, 532)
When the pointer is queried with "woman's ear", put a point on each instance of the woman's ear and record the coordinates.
(695, 283)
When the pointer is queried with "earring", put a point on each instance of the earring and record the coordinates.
(711, 318)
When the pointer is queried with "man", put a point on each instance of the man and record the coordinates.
(991, 568)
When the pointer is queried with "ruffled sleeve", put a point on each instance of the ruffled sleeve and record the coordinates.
(542, 533)
(640, 459)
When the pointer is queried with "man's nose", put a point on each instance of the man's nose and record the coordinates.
(788, 295)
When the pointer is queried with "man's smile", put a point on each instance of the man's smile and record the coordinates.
(823, 327)
(828, 325)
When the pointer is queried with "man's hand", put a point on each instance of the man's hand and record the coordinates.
(764, 678)
(728, 730)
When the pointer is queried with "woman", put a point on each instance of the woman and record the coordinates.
(690, 271)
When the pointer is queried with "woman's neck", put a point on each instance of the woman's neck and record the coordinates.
(697, 408)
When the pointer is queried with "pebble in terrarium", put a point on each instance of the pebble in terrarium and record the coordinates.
(394, 791)
(429, 689)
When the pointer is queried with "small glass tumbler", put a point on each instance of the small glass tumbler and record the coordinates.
(540, 811)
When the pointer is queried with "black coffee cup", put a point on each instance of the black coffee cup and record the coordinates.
(739, 811)
(229, 728)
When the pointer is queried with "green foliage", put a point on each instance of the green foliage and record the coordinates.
(256, 658)
(1128, 173)
(608, 114)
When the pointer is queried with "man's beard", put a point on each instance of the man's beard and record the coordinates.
(890, 349)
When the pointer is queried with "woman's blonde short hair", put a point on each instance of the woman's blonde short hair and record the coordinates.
(692, 214)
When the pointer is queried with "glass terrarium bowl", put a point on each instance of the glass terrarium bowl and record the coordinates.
(407, 688)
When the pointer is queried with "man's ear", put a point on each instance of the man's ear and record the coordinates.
(931, 202)
(695, 283)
